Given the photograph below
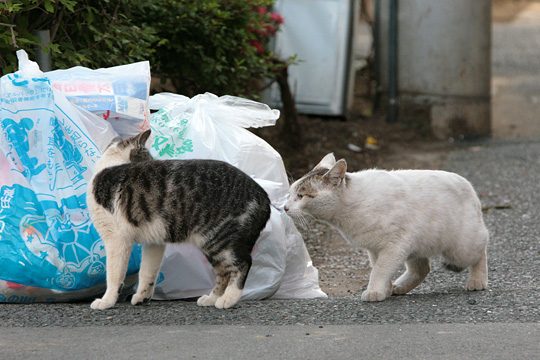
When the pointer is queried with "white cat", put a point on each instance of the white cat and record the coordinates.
(402, 216)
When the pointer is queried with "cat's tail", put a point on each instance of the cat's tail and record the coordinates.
(453, 267)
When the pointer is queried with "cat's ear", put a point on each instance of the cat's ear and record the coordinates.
(327, 162)
(140, 139)
(336, 174)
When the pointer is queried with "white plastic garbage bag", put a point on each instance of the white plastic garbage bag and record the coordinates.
(211, 127)
(49, 249)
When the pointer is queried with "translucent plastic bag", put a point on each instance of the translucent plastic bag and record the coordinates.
(49, 249)
(118, 94)
(211, 127)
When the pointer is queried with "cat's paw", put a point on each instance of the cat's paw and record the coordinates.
(400, 290)
(228, 300)
(370, 295)
(476, 284)
(140, 299)
(207, 300)
(225, 303)
(100, 304)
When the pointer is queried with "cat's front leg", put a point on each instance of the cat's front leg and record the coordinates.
(372, 258)
(152, 254)
(117, 249)
(386, 264)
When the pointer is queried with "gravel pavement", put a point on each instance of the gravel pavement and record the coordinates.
(506, 175)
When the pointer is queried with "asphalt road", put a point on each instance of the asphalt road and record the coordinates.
(423, 341)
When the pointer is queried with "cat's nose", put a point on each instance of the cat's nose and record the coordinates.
(286, 208)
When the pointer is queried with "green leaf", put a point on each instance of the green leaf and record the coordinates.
(49, 6)
(69, 4)
(11, 7)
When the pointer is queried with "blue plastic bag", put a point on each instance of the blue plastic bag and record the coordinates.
(49, 249)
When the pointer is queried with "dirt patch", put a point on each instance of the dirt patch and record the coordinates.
(397, 146)
(365, 140)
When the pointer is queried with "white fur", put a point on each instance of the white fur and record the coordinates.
(403, 216)
(252, 206)
(197, 240)
(118, 236)
(230, 297)
(232, 293)
(152, 255)
(112, 156)
(207, 300)
(226, 295)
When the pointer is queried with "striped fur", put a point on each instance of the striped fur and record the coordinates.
(134, 198)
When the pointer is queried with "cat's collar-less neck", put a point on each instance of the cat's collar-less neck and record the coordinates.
(107, 162)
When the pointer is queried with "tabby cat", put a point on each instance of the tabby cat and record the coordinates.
(133, 198)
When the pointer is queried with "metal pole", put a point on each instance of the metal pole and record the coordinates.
(43, 57)
(377, 57)
(392, 115)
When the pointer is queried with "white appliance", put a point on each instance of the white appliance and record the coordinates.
(320, 33)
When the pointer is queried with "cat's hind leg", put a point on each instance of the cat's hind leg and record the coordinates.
(478, 277)
(152, 254)
(222, 279)
(117, 249)
(238, 271)
(417, 270)
(233, 292)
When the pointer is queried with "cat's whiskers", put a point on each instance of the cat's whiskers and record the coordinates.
(299, 219)
(303, 219)
(338, 230)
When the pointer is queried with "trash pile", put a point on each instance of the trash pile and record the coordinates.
(53, 128)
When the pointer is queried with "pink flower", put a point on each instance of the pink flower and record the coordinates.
(270, 30)
(262, 10)
(258, 46)
(275, 16)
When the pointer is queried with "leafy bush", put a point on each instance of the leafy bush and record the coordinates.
(83, 32)
(204, 45)
(212, 45)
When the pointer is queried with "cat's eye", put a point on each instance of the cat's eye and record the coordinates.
(300, 196)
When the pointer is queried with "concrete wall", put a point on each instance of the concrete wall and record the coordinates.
(444, 64)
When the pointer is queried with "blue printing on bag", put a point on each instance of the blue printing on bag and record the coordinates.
(45, 241)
